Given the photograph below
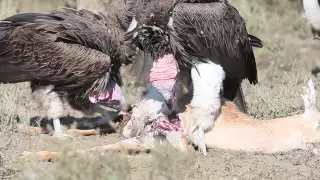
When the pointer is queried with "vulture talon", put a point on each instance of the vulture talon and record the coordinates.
(201, 143)
(198, 139)
(58, 133)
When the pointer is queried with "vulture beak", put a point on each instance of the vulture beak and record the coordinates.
(170, 103)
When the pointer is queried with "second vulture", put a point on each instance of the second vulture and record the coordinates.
(213, 49)
(73, 53)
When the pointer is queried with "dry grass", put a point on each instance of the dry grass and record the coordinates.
(117, 166)
(284, 64)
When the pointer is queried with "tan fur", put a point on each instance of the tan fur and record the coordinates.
(237, 131)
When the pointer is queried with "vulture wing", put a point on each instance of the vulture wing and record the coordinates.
(74, 50)
(216, 31)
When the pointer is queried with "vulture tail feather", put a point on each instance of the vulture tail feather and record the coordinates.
(255, 42)
(24, 17)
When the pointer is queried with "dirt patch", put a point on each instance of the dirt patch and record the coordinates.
(219, 164)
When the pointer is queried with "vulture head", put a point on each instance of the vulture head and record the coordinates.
(151, 30)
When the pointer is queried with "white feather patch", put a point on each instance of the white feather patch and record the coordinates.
(312, 12)
(132, 25)
(170, 23)
(206, 103)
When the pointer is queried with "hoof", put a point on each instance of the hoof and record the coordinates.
(197, 138)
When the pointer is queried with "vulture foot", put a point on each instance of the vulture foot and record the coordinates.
(197, 138)
(205, 105)
(58, 133)
(201, 143)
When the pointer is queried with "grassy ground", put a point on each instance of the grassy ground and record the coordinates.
(284, 65)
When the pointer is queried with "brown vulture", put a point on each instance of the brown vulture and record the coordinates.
(211, 44)
(312, 12)
(72, 53)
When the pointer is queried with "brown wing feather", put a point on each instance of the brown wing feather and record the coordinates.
(70, 49)
(213, 30)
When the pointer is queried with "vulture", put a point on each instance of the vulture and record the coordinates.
(68, 54)
(312, 12)
(211, 45)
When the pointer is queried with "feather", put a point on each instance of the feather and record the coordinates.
(198, 30)
(76, 51)
(255, 42)
(201, 29)
(214, 30)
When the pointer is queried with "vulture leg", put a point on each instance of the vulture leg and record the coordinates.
(106, 113)
(239, 101)
(51, 105)
(57, 128)
(233, 92)
(205, 105)
(315, 33)
(182, 92)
